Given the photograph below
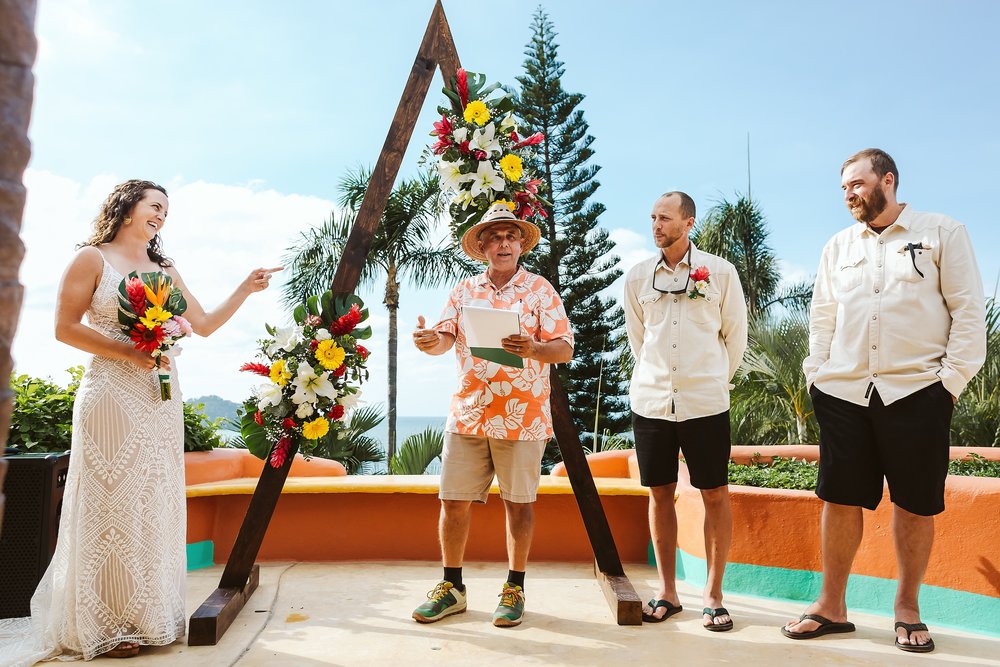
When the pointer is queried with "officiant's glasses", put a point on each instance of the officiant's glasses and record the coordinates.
(684, 289)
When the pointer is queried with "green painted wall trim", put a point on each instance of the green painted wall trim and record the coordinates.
(944, 607)
(200, 554)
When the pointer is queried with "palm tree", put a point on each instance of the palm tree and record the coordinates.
(738, 231)
(353, 448)
(403, 250)
(976, 421)
(418, 452)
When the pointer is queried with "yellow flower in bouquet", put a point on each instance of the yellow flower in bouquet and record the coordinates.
(512, 166)
(476, 112)
(279, 373)
(154, 317)
(509, 204)
(330, 355)
(315, 429)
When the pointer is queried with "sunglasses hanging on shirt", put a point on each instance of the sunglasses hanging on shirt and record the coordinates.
(684, 289)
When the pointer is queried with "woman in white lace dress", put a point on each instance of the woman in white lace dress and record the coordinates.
(117, 578)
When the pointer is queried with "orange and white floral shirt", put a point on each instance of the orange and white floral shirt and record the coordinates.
(498, 401)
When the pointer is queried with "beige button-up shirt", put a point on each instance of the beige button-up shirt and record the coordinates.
(686, 350)
(896, 311)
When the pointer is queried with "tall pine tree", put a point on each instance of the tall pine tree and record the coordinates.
(574, 253)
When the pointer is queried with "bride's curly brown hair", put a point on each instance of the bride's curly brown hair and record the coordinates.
(116, 208)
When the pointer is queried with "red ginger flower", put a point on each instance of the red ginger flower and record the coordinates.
(147, 340)
(462, 81)
(362, 350)
(136, 295)
(259, 418)
(346, 323)
(259, 369)
(280, 452)
(701, 273)
(289, 423)
(336, 412)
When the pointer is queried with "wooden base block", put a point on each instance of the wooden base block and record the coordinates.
(218, 612)
(621, 596)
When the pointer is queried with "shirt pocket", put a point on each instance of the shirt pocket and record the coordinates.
(908, 269)
(654, 307)
(848, 273)
(705, 310)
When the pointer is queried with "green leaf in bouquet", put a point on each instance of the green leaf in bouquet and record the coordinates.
(362, 334)
(452, 95)
(484, 93)
(327, 302)
(312, 303)
(270, 330)
(476, 83)
(504, 104)
(255, 437)
(299, 314)
(176, 303)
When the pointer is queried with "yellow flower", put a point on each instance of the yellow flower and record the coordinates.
(330, 355)
(512, 167)
(279, 374)
(476, 112)
(315, 429)
(154, 317)
(509, 204)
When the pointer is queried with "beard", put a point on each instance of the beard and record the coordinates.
(865, 210)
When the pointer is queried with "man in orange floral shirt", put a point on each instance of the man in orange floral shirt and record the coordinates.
(499, 420)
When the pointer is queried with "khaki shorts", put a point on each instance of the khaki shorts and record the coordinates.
(469, 462)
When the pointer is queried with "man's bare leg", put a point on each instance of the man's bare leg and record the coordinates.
(663, 530)
(718, 538)
(914, 536)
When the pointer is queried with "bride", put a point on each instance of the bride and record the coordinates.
(116, 581)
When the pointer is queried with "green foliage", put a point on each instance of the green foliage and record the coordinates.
(418, 452)
(781, 473)
(974, 465)
(575, 253)
(42, 420)
(201, 434)
(976, 420)
(352, 446)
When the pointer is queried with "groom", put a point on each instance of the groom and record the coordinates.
(499, 419)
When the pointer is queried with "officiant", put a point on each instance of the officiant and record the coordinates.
(499, 420)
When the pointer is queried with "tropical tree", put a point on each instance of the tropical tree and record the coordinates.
(976, 421)
(418, 452)
(574, 254)
(403, 250)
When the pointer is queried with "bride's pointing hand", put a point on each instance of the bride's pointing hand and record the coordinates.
(259, 279)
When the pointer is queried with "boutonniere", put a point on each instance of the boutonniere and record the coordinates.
(911, 248)
(702, 279)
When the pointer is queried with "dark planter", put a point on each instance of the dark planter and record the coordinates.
(34, 491)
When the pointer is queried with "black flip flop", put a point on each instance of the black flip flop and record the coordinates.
(717, 627)
(826, 627)
(656, 604)
(910, 629)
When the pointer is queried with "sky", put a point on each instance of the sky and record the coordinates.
(250, 112)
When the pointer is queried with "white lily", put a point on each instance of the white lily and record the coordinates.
(451, 175)
(285, 338)
(485, 139)
(308, 386)
(267, 395)
(350, 401)
(486, 177)
(508, 123)
(464, 198)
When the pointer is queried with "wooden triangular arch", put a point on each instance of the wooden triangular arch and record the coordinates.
(240, 577)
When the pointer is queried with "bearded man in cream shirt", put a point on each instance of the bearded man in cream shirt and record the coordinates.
(686, 319)
(897, 329)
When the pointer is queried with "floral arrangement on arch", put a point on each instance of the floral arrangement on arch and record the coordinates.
(313, 369)
(481, 155)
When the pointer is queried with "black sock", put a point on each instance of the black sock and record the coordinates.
(516, 578)
(454, 575)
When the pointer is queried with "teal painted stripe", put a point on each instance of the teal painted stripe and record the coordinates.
(944, 607)
(200, 555)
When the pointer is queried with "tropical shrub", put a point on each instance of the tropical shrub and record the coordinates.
(42, 420)
(418, 452)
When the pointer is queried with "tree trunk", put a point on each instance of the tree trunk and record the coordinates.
(17, 54)
(392, 304)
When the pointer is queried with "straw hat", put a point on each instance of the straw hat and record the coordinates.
(494, 214)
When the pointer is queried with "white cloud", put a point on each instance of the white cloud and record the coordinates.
(631, 247)
(68, 29)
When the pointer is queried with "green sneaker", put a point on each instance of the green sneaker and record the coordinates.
(511, 609)
(443, 601)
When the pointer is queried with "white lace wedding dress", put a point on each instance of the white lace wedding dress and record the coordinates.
(118, 572)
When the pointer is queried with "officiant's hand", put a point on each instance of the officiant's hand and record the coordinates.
(519, 344)
(425, 339)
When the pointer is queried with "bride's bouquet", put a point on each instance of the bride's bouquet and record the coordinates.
(313, 368)
(482, 156)
(149, 312)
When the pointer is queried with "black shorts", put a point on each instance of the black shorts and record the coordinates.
(906, 443)
(704, 441)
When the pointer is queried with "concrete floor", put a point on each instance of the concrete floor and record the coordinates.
(359, 614)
